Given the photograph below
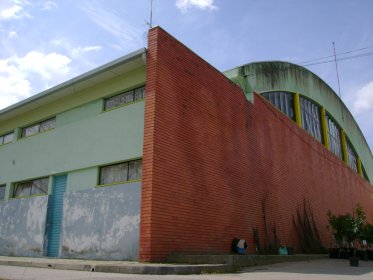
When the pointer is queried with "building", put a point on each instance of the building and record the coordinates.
(158, 153)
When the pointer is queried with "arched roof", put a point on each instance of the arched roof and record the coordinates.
(284, 76)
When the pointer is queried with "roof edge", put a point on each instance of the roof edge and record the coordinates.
(75, 80)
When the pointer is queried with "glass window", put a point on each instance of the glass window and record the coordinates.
(334, 137)
(311, 118)
(6, 138)
(283, 101)
(121, 172)
(139, 93)
(48, 125)
(33, 187)
(2, 192)
(352, 157)
(39, 127)
(135, 170)
(124, 98)
(365, 175)
(31, 130)
(114, 173)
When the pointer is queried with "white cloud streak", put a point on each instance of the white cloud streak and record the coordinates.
(78, 51)
(48, 5)
(113, 22)
(185, 5)
(364, 99)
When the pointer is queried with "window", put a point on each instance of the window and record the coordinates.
(311, 118)
(365, 175)
(334, 137)
(39, 127)
(2, 192)
(6, 138)
(283, 101)
(351, 154)
(32, 187)
(121, 172)
(124, 98)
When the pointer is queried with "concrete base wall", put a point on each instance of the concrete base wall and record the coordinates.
(102, 223)
(22, 226)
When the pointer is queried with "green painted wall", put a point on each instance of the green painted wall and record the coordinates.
(85, 137)
(76, 99)
(82, 179)
(271, 76)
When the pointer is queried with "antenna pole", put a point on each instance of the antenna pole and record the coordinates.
(151, 14)
(336, 68)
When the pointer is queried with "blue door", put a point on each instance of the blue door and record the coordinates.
(54, 216)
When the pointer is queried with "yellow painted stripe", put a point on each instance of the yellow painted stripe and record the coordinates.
(344, 146)
(298, 117)
(359, 168)
(324, 128)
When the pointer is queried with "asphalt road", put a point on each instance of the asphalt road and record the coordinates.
(317, 269)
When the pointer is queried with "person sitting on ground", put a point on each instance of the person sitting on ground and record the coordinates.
(283, 251)
(241, 246)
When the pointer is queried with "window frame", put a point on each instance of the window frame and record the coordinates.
(2, 186)
(39, 129)
(351, 150)
(124, 93)
(277, 95)
(2, 138)
(17, 184)
(311, 115)
(128, 180)
(330, 118)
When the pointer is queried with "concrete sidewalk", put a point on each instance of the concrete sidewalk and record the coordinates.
(178, 264)
(115, 266)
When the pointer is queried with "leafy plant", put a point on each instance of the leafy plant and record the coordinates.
(368, 233)
(349, 228)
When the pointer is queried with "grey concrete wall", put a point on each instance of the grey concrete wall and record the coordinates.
(22, 226)
(102, 223)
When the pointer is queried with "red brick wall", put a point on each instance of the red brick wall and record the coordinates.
(211, 160)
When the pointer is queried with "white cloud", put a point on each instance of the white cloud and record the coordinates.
(16, 73)
(364, 99)
(76, 52)
(12, 34)
(14, 84)
(48, 5)
(13, 9)
(185, 5)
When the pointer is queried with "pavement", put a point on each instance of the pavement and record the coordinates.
(316, 269)
(178, 264)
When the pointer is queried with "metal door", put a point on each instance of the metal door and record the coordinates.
(54, 216)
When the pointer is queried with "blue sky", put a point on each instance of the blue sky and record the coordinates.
(44, 43)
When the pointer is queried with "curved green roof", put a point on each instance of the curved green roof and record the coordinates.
(284, 76)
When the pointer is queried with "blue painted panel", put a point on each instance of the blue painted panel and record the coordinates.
(54, 215)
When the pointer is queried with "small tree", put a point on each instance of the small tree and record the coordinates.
(340, 225)
(349, 228)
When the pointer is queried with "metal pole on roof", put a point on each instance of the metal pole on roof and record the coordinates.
(150, 23)
(339, 86)
(336, 68)
(151, 14)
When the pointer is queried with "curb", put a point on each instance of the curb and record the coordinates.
(160, 269)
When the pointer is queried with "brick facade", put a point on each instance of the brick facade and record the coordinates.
(216, 166)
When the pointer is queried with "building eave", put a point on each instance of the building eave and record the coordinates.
(100, 74)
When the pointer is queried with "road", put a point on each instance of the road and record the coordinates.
(325, 269)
